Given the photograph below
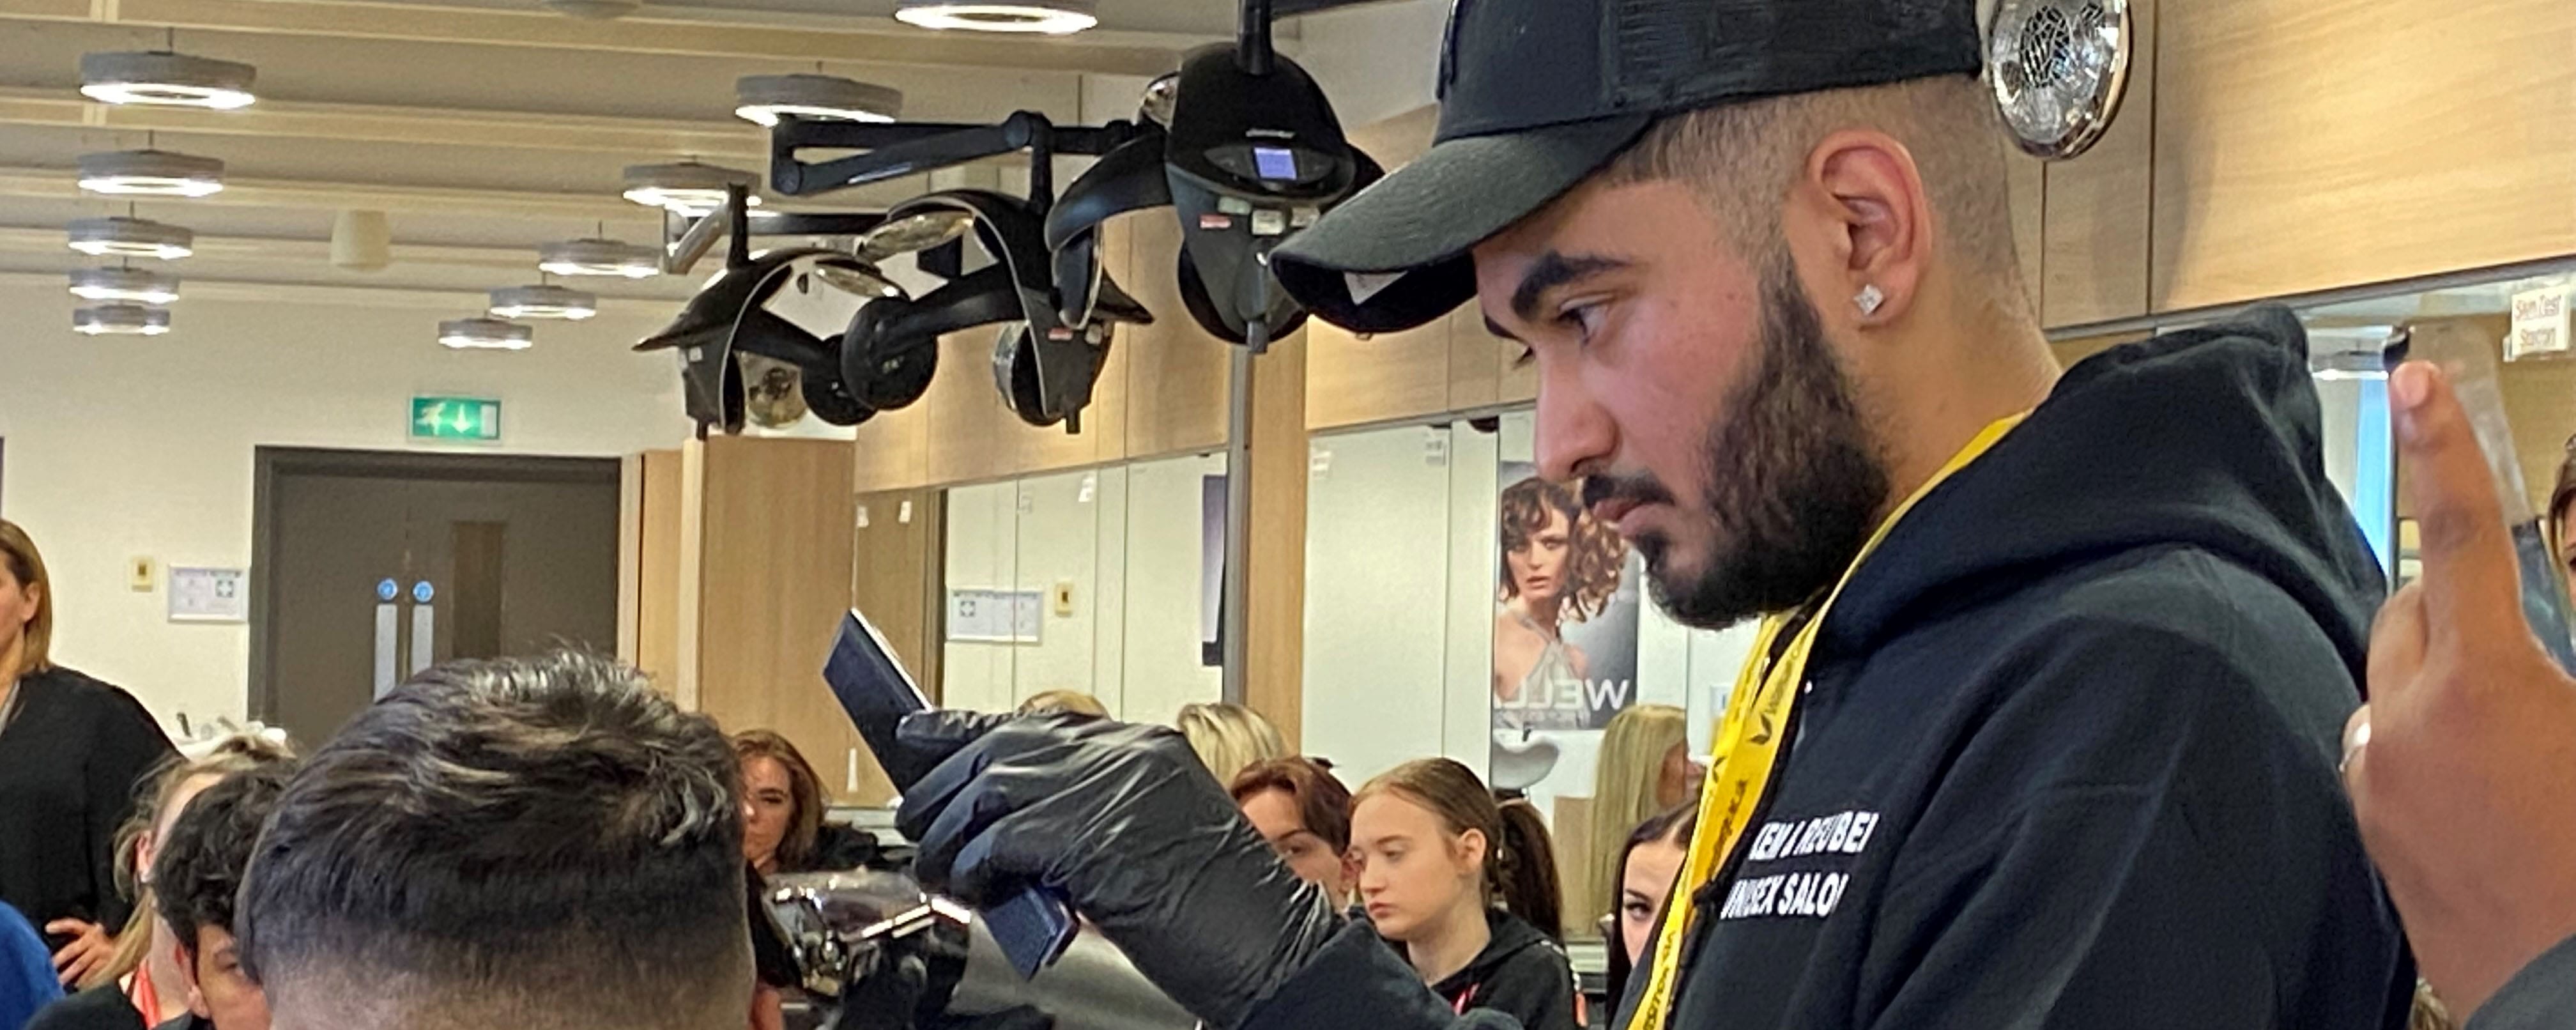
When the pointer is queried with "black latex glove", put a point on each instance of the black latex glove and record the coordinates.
(1128, 826)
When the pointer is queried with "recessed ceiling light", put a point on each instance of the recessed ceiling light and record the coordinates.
(687, 188)
(543, 301)
(1051, 17)
(600, 257)
(151, 173)
(767, 98)
(141, 286)
(121, 320)
(131, 237)
(165, 79)
(479, 333)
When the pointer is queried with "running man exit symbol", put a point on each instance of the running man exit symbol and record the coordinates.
(455, 418)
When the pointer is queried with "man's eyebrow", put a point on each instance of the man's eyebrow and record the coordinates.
(1553, 270)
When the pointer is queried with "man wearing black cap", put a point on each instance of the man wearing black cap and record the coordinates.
(2043, 724)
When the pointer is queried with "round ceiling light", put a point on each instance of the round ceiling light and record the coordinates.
(165, 79)
(600, 257)
(686, 188)
(151, 173)
(480, 333)
(543, 301)
(136, 285)
(1051, 17)
(765, 99)
(121, 320)
(131, 237)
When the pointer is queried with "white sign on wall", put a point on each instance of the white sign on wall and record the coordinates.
(2541, 323)
(209, 595)
(995, 616)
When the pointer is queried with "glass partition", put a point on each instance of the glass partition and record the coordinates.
(1099, 581)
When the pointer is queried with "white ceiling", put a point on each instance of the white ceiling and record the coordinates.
(486, 127)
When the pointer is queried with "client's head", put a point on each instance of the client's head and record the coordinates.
(195, 875)
(539, 842)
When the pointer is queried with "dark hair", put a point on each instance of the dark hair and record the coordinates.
(804, 786)
(1323, 804)
(197, 871)
(1673, 825)
(1594, 554)
(500, 841)
(1520, 863)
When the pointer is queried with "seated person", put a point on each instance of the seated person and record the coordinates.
(1435, 854)
(1229, 737)
(1074, 701)
(195, 876)
(1305, 813)
(1648, 865)
(534, 843)
(783, 804)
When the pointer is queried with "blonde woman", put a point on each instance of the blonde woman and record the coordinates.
(1074, 701)
(1645, 770)
(1229, 738)
(71, 750)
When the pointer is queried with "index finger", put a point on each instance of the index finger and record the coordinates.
(2469, 578)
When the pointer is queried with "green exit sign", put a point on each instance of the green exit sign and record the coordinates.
(455, 418)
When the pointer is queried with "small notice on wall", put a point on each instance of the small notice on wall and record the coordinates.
(209, 595)
(995, 616)
(2541, 323)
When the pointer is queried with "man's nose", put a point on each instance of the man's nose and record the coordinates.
(1574, 435)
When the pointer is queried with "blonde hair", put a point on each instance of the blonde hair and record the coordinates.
(1073, 701)
(241, 752)
(1624, 793)
(27, 566)
(1229, 738)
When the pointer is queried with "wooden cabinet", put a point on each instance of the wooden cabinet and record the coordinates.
(2096, 226)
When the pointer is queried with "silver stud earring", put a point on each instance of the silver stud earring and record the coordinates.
(1868, 300)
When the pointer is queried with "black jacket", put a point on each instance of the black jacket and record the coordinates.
(2541, 996)
(1521, 974)
(70, 762)
(2067, 755)
(103, 1007)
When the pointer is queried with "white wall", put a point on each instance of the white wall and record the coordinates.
(1127, 540)
(123, 447)
(1374, 61)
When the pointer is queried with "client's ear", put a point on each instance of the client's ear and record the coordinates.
(186, 959)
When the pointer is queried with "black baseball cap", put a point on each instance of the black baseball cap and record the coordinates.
(1536, 95)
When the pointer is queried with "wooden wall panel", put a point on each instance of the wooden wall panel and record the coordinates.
(1352, 381)
(2307, 144)
(774, 576)
(630, 554)
(963, 413)
(1176, 371)
(1275, 617)
(895, 577)
(892, 450)
(2096, 230)
(657, 638)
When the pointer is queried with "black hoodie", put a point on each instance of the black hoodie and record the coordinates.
(1520, 973)
(2067, 752)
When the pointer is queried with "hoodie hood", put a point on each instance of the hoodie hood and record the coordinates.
(1510, 936)
(2205, 439)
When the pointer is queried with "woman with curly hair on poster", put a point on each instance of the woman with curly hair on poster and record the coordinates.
(1558, 566)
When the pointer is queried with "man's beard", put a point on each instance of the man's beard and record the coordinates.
(1794, 478)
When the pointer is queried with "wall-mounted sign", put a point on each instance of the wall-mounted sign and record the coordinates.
(209, 595)
(466, 419)
(995, 616)
(2541, 323)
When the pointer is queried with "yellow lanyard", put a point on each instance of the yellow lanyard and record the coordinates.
(1748, 742)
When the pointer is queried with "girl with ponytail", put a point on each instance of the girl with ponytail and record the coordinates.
(1467, 890)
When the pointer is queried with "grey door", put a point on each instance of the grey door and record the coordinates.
(481, 556)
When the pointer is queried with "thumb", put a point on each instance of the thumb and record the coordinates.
(2469, 578)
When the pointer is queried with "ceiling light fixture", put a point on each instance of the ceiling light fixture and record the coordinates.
(1050, 17)
(765, 99)
(481, 333)
(164, 79)
(121, 320)
(688, 188)
(600, 257)
(131, 237)
(137, 285)
(543, 301)
(151, 173)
